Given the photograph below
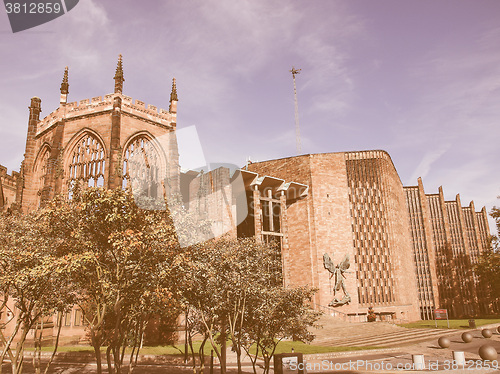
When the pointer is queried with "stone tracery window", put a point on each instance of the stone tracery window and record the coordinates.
(43, 168)
(142, 168)
(41, 173)
(87, 162)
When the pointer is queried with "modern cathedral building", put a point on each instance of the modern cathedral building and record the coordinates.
(409, 252)
(343, 222)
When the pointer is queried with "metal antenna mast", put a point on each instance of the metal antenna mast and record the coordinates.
(297, 129)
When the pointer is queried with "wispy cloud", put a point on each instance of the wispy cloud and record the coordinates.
(462, 87)
(429, 158)
(82, 34)
(233, 45)
(455, 119)
(241, 39)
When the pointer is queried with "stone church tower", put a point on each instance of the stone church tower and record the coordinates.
(99, 142)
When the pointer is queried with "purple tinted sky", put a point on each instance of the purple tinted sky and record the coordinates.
(420, 79)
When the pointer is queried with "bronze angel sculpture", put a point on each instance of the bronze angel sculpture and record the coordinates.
(338, 271)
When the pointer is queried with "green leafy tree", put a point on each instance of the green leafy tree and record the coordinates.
(488, 269)
(33, 286)
(488, 265)
(495, 242)
(116, 256)
(203, 272)
(278, 313)
(234, 290)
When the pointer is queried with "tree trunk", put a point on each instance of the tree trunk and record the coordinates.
(96, 343)
(209, 332)
(192, 353)
(131, 361)
(201, 353)
(143, 329)
(117, 337)
(19, 357)
(223, 347)
(7, 344)
(253, 360)
(59, 325)
(267, 362)
(238, 359)
(38, 335)
(108, 360)
(116, 359)
(137, 332)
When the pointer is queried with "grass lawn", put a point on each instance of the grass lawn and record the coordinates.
(147, 350)
(178, 350)
(286, 347)
(454, 323)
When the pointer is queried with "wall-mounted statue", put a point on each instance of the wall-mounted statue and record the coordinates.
(338, 271)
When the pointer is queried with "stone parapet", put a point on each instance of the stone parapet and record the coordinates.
(99, 104)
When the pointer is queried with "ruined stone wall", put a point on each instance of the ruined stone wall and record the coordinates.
(113, 122)
(210, 199)
(9, 185)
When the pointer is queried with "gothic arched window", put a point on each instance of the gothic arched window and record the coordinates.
(87, 162)
(41, 173)
(42, 170)
(142, 167)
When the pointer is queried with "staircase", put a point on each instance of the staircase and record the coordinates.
(364, 334)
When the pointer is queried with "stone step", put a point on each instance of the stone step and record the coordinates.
(402, 340)
(338, 337)
(363, 334)
(354, 330)
(392, 339)
(399, 333)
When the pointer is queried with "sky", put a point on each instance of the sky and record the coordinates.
(417, 78)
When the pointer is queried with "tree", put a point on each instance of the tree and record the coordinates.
(32, 285)
(456, 280)
(495, 214)
(488, 269)
(278, 313)
(203, 289)
(488, 265)
(116, 256)
(234, 289)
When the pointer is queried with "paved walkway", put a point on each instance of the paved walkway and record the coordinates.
(399, 359)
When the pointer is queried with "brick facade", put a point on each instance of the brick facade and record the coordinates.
(447, 239)
(353, 207)
(410, 253)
